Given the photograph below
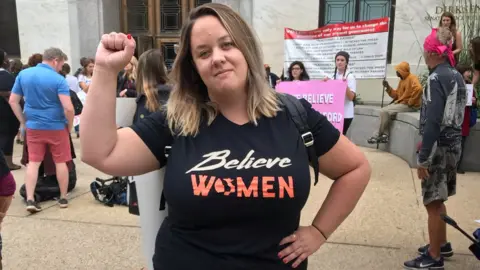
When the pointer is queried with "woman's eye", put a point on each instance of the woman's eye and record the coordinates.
(227, 45)
(203, 54)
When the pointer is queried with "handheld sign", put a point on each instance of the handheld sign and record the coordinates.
(328, 97)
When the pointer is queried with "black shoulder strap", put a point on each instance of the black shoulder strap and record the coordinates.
(299, 116)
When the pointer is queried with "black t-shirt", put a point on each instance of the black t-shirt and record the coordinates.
(233, 191)
(8, 119)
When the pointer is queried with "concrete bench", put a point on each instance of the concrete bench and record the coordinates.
(404, 136)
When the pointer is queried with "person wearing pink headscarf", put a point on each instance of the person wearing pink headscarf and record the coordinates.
(441, 119)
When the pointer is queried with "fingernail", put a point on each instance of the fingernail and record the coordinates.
(279, 255)
(129, 36)
(284, 260)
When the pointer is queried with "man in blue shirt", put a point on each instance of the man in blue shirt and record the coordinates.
(47, 120)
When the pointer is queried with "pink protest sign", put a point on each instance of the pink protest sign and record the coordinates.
(328, 97)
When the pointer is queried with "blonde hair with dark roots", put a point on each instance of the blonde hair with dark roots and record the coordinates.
(189, 101)
(150, 73)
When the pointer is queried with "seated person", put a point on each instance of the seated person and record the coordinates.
(406, 98)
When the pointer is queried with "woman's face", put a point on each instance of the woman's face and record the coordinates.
(340, 62)
(90, 68)
(446, 21)
(296, 72)
(467, 75)
(221, 65)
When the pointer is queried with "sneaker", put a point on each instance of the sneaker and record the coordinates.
(379, 139)
(446, 250)
(63, 203)
(425, 261)
(33, 207)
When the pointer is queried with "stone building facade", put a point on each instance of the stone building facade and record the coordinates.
(76, 25)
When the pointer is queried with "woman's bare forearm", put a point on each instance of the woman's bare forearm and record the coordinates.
(98, 134)
(350, 94)
(342, 199)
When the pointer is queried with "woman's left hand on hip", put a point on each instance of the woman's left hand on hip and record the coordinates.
(304, 242)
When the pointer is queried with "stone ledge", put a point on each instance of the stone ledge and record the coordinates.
(404, 136)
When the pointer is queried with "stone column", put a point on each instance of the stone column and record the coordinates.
(243, 7)
(43, 24)
(92, 19)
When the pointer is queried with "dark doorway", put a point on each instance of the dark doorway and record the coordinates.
(9, 40)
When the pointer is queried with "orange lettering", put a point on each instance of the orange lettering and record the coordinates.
(247, 192)
(266, 187)
(219, 187)
(230, 185)
(199, 189)
(282, 186)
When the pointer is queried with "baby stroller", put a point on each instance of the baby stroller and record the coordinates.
(475, 247)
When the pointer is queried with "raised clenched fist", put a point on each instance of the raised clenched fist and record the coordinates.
(114, 51)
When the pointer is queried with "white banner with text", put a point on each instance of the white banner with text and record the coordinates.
(365, 41)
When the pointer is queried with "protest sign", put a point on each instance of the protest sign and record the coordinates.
(328, 97)
(149, 192)
(124, 111)
(365, 41)
(469, 94)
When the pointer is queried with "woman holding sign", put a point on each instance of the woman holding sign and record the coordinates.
(237, 176)
(341, 73)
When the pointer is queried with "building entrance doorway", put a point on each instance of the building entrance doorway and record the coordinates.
(156, 23)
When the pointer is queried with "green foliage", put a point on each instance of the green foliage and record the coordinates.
(358, 100)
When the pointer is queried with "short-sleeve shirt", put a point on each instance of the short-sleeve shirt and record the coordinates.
(349, 110)
(72, 82)
(84, 79)
(233, 191)
(40, 87)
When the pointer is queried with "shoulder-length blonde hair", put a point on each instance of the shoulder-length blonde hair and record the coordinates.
(132, 73)
(189, 100)
(150, 73)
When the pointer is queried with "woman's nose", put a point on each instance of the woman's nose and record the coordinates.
(218, 56)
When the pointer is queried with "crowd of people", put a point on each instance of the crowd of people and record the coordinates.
(218, 106)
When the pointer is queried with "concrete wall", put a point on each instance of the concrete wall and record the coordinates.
(43, 24)
(404, 136)
(75, 26)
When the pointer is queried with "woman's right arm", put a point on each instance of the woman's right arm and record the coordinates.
(112, 151)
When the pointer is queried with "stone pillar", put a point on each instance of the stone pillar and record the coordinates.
(43, 24)
(75, 26)
(243, 7)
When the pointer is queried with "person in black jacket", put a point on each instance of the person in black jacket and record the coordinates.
(151, 84)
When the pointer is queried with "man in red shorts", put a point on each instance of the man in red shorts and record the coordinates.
(48, 119)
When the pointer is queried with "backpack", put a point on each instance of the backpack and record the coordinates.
(110, 191)
(47, 186)
(77, 103)
(298, 115)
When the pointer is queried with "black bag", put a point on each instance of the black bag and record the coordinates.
(133, 199)
(47, 186)
(110, 191)
(298, 114)
(77, 103)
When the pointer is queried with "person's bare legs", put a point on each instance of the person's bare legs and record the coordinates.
(31, 179)
(62, 178)
(437, 229)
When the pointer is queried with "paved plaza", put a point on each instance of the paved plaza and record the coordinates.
(385, 229)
